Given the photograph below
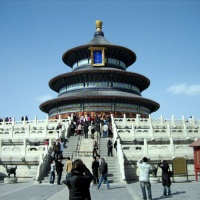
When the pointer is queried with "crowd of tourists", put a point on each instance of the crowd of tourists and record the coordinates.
(78, 177)
(9, 119)
(6, 119)
(80, 126)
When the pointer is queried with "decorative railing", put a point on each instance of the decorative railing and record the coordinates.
(43, 165)
(77, 154)
(120, 154)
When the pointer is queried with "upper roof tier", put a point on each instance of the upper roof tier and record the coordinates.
(112, 51)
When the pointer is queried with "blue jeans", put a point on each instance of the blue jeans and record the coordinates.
(166, 190)
(105, 133)
(59, 177)
(148, 187)
(68, 174)
(103, 177)
(52, 176)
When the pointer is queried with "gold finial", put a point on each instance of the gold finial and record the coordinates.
(99, 25)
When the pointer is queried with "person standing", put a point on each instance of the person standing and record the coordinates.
(26, 118)
(95, 171)
(68, 166)
(104, 174)
(56, 149)
(92, 130)
(86, 128)
(166, 182)
(59, 126)
(52, 172)
(144, 177)
(72, 128)
(61, 148)
(79, 181)
(110, 147)
(105, 130)
(59, 169)
(97, 128)
(74, 117)
(115, 145)
(98, 158)
(79, 128)
(95, 147)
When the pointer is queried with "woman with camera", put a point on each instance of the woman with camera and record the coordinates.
(166, 182)
(79, 181)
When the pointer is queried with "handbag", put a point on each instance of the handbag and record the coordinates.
(171, 173)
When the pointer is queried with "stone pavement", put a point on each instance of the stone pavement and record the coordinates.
(30, 191)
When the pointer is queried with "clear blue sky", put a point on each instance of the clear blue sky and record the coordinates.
(164, 34)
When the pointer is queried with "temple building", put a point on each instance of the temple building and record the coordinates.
(99, 83)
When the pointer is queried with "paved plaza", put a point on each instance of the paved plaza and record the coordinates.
(181, 190)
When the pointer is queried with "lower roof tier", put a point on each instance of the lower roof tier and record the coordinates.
(112, 104)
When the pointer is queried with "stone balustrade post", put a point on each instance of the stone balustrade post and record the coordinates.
(145, 147)
(25, 145)
(185, 130)
(183, 119)
(47, 120)
(59, 118)
(137, 120)
(169, 130)
(120, 156)
(193, 120)
(151, 132)
(13, 121)
(133, 130)
(150, 120)
(12, 132)
(0, 147)
(161, 120)
(173, 121)
(28, 131)
(50, 143)
(35, 121)
(124, 119)
(172, 147)
(45, 130)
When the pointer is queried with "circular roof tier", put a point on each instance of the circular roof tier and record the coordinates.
(112, 51)
(61, 101)
(62, 80)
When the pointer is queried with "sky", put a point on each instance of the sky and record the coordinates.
(164, 34)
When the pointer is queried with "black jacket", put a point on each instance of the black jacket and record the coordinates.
(79, 184)
(95, 166)
(109, 144)
(59, 166)
(165, 173)
(104, 168)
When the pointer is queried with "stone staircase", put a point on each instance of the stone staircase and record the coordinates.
(86, 150)
(69, 147)
(113, 168)
(85, 153)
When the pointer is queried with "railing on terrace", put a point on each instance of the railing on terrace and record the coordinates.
(160, 121)
(76, 154)
(35, 122)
